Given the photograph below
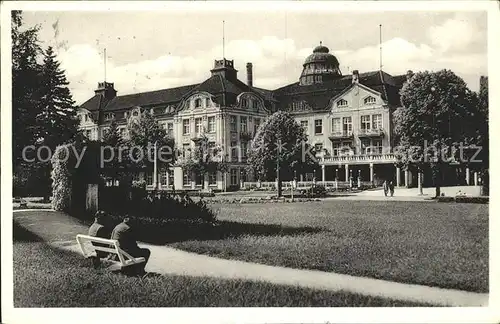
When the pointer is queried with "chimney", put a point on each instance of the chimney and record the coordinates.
(106, 89)
(249, 75)
(409, 74)
(355, 76)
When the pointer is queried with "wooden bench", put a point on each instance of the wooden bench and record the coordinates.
(89, 250)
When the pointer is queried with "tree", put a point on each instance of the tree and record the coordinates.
(280, 148)
(203, 159)
(113, 142)
(25, 83)
(436, 113)
(144, 132)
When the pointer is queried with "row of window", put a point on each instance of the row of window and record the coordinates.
(367, 101)
(198, 126)
(344, 124)
(167, 179)
(368, 146)
(233, 124)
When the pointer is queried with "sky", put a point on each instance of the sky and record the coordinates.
(149, 50)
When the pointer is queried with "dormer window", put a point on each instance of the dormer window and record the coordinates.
(369, 100)
(244, 103)
(197, 103)
(135, 113)
(109, 116)
(207, 102)
(255, 104)
(342, 103)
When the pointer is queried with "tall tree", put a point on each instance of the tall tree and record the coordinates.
(436, 115)
(57, 122)
(26, 52)
(279, 148)
(203, 159)
(144, 132)
(113, 142)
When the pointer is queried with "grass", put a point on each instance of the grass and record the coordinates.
(47, 277)
(443, 245)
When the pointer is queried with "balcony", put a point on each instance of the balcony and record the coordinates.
(340, 135)
(360, 158)
(371, 132)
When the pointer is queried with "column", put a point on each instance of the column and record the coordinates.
(347, 172)
(398, 176)
(476, 182)
(371, 172)
(301, 177)
(467, 176)
(359, 178)
(323, 174)
(407, 179)
(420, 180)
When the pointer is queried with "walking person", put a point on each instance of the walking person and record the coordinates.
(391, 188)
(386, 188)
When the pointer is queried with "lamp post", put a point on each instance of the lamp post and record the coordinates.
(278, 186)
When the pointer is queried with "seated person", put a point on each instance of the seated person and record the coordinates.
(99, 229)
(126, 238)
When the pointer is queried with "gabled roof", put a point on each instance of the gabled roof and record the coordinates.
(172, 95)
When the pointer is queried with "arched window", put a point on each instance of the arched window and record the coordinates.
(342, 103)
(197, 103)
(369, 100)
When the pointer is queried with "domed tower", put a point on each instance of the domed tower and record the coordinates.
(320, 66)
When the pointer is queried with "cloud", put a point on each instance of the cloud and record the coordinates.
(453, 34)
(276, 62)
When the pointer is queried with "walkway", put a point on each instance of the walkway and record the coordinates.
(166, 260)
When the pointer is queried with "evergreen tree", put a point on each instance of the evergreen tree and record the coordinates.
(25, 83)
(57, 122)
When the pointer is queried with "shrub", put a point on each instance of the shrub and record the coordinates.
(61, 179)
(316, 191)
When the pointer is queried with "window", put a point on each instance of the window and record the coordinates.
(369, 100)
(336, 125)
(347, 148)
(318, 126)
(109, 116)
(243, 124)
(377, 146)
(164, 178)
(135, 177)
(244, 103)
(170, 177)
(212, 178)
(365, 146)
(185, 150)
(86, 117)
(199, 179)
(336, 148)
(211, 149)
(185, 127)
(149, 178)
(305, 126)
(211, 124)
(256, 124)
(234, 151)
(255, 104)
(170, 129)
(197, 103)
(186, 179)
(198, 126)
(135, 113)
(207, 102)
(342, 103)
(244, 148)
(234, 177)
(123, 132)
(232, 123)
(365, 122)
(347, 123)
(125, 115)
(377, 121)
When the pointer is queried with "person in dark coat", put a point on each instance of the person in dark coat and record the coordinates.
(386, 188)
(99, 229)
(391, 188)
(125, 235)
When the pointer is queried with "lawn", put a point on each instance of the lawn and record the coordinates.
(435, 244)
(48, 277)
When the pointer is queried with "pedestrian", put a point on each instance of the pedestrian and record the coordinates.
(386, 188)
(391, 188)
